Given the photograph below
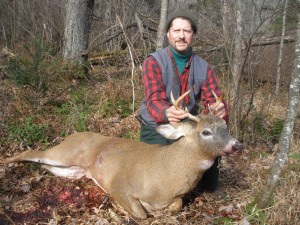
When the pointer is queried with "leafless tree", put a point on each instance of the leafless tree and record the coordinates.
(77, 27)
(236, 61)
(162, 23)
(281, 48)
(290, 118)
(244, 25)
(30, 20)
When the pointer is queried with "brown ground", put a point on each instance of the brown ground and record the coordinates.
(30, 195)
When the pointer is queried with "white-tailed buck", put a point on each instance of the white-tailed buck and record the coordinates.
(141, 177)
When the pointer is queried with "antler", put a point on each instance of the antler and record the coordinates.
(212, 109)
(175, 103)
(190, 116)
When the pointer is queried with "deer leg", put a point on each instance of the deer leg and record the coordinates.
(29, 155)
(176, 205)
(130, 204)
(71, 172)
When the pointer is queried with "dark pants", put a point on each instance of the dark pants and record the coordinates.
(210, 179)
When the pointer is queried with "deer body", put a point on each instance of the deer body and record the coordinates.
(138, 176)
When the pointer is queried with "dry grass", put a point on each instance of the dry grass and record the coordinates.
(30, 195)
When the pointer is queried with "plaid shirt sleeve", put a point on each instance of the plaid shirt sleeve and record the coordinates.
(211, 84)
(154, 90)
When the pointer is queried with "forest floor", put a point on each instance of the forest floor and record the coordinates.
(31, 195)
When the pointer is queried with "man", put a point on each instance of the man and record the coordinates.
(176, 68)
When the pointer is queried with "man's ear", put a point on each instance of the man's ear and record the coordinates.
(175, 131)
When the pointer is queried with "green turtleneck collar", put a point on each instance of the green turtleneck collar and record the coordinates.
(181, 60)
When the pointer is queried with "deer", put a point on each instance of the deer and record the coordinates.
(141, 178)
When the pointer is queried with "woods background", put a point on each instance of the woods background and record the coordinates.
(51, 86)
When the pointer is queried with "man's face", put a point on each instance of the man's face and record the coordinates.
(181, 35)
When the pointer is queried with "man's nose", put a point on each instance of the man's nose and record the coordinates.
(181, 34)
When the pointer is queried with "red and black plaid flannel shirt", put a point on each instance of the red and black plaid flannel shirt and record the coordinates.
(155, 90)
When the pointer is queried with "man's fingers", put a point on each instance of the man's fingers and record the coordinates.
(175, 115)
(218, 109)
(174, 120)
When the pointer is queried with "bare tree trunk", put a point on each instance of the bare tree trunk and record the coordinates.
(281, 48)
(291, 114)
(162, 24)
(140, 27)
(77, 27)
(237, 64)
(225, 18)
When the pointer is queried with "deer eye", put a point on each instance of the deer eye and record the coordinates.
(206, 133)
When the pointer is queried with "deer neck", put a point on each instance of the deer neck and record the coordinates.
(185, 152)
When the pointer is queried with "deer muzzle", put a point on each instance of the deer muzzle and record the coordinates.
(233, 147)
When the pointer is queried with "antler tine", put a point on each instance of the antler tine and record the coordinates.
(193, 118)
(175, 103)
(173, 100)
(218, 101)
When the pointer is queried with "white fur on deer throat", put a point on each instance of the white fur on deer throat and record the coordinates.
(205, 164)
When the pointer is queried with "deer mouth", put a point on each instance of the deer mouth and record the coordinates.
(237, 147)
(230, 149)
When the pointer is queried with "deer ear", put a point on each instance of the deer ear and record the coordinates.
(173, 132)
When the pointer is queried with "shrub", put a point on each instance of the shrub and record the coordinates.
(28, 131)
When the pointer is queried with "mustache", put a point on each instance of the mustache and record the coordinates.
(181, 40)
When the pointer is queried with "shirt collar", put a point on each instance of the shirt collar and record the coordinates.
(181, 57)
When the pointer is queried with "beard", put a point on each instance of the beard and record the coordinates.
(181, 47)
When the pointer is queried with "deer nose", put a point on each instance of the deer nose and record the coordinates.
(237, 147)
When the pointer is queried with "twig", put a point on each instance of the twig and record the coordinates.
(9, 218)
(132, 61)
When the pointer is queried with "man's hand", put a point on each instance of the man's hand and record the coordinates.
(175, 115)
(218, 109)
